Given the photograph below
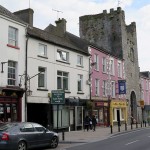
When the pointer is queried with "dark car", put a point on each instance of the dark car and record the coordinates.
(26, 135)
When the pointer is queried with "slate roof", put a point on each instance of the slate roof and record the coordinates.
(68, 40)
(7, 13)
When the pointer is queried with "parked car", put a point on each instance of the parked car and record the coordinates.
(26, 135)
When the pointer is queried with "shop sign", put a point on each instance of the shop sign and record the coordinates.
(122, 86)
(58, 97)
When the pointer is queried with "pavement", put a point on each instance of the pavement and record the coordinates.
(73, 138)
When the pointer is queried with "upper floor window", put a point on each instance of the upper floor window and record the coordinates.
(79, 60)
(80, 83)
(42, 50)
(96, 60)
(13, 36)
(104, 88)
(62, 80)
(62, 56)
(104, 64)
(119, 69)
(42, 77)
(113, 89)
(97, 87)
(112, 67)
(11, 73)
(147, 85)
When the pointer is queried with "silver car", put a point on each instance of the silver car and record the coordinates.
(26, 135)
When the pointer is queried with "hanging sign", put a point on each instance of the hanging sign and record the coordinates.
(122, 86)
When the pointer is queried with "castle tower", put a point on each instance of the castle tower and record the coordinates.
(109, 30)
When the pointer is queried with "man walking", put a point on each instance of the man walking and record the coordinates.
(94, 122)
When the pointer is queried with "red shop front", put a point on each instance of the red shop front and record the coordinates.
(11, 104)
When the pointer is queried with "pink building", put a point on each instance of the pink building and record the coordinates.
(145, 95)
(109, 99)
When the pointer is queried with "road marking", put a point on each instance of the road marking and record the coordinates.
(132, 142)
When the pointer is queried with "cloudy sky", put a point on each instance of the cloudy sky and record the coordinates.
(48, 11)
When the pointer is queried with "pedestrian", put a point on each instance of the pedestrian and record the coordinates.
(86, 123)
(94, 122)
(90, 123)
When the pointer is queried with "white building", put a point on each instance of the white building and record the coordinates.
(56, 60)
(12, 59)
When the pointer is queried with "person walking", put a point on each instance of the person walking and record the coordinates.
(94, 122)
(90, 123)
(86, 123)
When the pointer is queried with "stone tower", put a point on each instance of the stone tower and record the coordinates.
(109, 30)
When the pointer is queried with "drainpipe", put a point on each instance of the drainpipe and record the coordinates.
(26, 74)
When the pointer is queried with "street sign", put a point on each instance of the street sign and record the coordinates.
(58, 97)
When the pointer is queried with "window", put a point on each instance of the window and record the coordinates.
(104, 88)
(79, 60)
(112, 67)
(104, 64)
(42, 77)
(13, 36)
(80, 82)
(147, 88)
(11, 73)
(96, 60)
(113, 92)
(62, 56)
(119, 69)
(62, 80)
(42, 50)
(97, 87)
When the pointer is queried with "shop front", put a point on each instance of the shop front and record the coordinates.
(118, 112)
(11, 104)
(101, 112)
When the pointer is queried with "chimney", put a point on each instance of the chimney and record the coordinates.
(61, 25)
(26, 15)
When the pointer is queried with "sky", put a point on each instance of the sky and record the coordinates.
(48, 11)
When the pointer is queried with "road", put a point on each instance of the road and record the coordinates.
(134, 140)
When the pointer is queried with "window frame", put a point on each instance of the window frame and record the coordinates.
(96, 61)
(79, 60)
(12, 72)
(119, 69)
(62, 77)
(61, 55)
(13, 36)
(80, 83)
(44, 50)
(104, 64)
(43, 73)
(97, 93)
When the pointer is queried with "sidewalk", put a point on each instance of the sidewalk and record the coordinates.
(79, 137)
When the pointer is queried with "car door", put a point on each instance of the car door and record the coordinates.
(43, 136)
(29, 134)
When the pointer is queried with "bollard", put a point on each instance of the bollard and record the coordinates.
(136, 125)
(125, 126)
(141, 124)
(145, 123)
(111, 129)
(63, 135)
(131, 126)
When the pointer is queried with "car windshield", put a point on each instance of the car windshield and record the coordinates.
(5, 126)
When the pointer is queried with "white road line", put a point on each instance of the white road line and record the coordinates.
(132, 142)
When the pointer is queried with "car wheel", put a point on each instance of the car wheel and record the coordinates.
(54, 142)
(22, 145)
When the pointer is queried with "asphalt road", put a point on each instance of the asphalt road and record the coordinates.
(134, 140)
